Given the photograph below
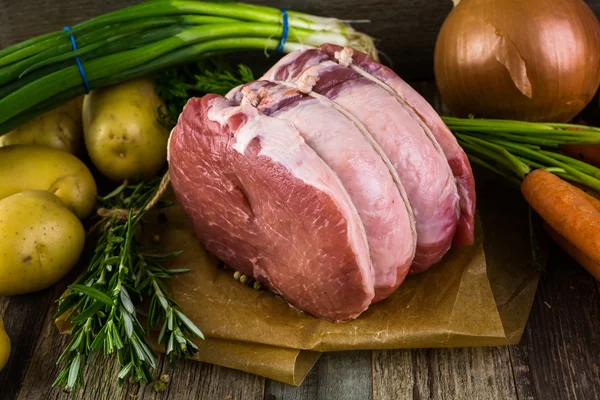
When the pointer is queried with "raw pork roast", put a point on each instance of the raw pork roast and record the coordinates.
(328, 180)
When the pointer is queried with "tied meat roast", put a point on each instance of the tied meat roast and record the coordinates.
(328, 180)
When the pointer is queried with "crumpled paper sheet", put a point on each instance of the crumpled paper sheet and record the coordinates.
(451, 305)
(286, 365)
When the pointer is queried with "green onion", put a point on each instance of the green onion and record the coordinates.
(185, 55)
(496, 153)
(563, 133)
(237, 11)
(145, 39)
(506, 175)
(512, 148)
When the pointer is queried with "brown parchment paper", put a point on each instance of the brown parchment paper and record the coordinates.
(463, 301)
(282, 364)
(285, 365)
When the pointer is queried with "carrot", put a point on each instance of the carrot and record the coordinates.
(567, 209)
(587, 263)
(586, 153)
(594, 201)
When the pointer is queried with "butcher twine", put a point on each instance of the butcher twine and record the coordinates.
(81, 71)
(284, 34)
(123, 214)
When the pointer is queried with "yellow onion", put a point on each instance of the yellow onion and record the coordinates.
(532, 60)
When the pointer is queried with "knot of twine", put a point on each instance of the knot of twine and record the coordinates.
(123, 214)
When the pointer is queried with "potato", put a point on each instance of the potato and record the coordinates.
(4, 346)
(40, 241)
(27, 167)
(60, 128)
(121, 130)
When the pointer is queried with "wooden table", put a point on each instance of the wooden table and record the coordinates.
(558, 357)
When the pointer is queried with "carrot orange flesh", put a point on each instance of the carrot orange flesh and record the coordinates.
(567, 209)
(587, 263)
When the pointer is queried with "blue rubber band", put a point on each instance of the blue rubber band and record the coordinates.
(81, 71)
(284, 34)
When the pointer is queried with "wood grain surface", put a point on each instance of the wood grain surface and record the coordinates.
(558, 357)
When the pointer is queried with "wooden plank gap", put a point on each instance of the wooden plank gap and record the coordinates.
(515, 377)
(373, 374)
(264, 388)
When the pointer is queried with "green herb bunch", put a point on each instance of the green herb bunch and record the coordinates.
(103, 306)
(177, 85)
(512, 149)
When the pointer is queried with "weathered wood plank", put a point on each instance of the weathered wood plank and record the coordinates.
(3, 305)
(24, 318)
(307, 390)
(194, 380)
(559, 355)
(189, 380)
(345, 375)
(41, 369)
(469, 374)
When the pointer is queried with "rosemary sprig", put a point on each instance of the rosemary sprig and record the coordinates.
(103, 305)
(177, 85)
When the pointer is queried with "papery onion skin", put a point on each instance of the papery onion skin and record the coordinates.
(551, 49)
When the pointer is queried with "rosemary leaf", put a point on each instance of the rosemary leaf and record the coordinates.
(128, 323)
(126, 301)
(124, 372)
(189, 324)
(74, 372)
(88, 313)
(91, 292)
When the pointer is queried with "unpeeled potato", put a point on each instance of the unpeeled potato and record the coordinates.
(122, 134)
(40, 241)
(28, 167)
(60, 128)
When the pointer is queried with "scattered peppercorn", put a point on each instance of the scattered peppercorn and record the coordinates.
(159, 386)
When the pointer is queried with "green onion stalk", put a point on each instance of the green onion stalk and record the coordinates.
(39, 74)
(512, 149)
